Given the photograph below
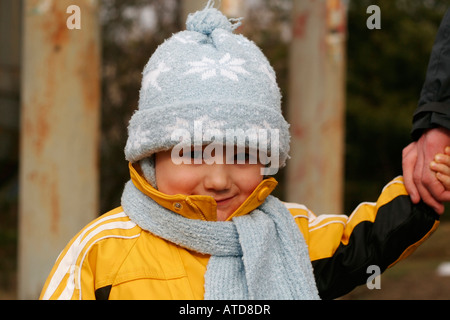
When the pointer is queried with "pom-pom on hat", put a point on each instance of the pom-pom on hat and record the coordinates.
(206, 78)
(208, 20)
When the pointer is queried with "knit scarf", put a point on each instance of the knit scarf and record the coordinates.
(261, 256)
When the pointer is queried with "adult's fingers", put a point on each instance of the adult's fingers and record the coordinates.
(425, 180)
(432, 142)
(409, 158)
(430, 182)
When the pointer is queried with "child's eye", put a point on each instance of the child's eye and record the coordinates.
(244, 158)
(196, 154)
(193, 155)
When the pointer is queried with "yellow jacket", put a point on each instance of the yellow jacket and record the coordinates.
(113, 258)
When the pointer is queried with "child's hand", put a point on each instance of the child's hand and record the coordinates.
(441, 165)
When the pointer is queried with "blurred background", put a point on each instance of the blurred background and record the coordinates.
(358, 87)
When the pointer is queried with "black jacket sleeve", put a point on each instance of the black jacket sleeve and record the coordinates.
(434, 104)
(399, 227)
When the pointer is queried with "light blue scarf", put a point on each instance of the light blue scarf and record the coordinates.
(261, 256)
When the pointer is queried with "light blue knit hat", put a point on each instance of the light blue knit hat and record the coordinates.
(208, 75)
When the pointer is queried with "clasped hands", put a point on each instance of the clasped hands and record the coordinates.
(426, 169)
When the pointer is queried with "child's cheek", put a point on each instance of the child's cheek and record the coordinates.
(249, 178)
(183, 179)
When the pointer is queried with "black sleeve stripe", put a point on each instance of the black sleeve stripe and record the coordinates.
(103, 293)
(398, 225)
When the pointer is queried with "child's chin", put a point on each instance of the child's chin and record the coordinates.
(223, 215)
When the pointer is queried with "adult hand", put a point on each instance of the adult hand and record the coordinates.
(420, 181)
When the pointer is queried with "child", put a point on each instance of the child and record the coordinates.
(197, 220)
(441, 165)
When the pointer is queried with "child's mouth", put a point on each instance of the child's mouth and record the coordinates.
(223, 202)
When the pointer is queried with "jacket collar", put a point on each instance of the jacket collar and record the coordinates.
(199, 207)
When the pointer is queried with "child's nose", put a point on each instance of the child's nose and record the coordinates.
(217, 178)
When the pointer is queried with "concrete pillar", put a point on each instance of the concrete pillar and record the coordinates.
(234, 8)
(316, 105)
(60, 93)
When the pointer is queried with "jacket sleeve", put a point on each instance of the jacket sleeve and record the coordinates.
(434, 104)
(381, 233)
(87, 266)
(63, 282)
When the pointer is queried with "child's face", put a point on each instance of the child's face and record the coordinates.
(229, 184)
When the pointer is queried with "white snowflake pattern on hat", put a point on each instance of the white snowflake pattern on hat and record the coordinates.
(206, 123)
(151, 78)
(226, 67)
(185, 39)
